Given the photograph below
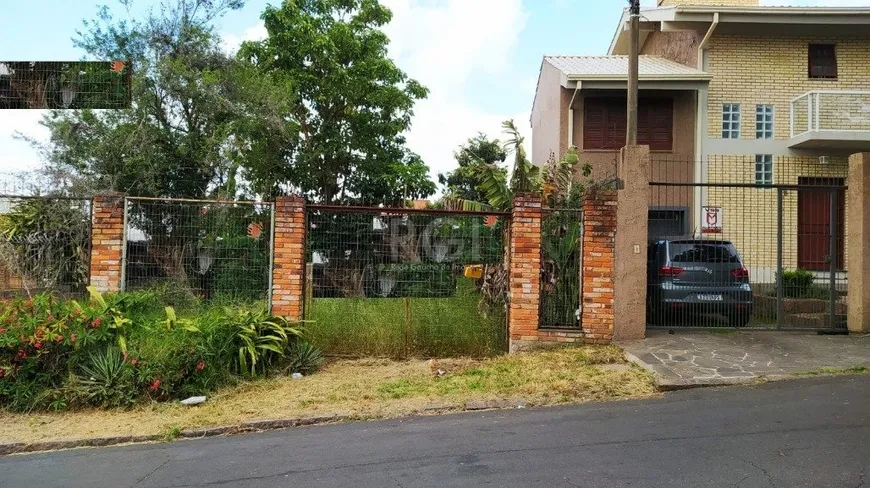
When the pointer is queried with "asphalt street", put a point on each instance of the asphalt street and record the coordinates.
(813, 432)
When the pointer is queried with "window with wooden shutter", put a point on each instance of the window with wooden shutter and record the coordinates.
(656, 124)
(822, 61)
(594, 123)
(605, 123)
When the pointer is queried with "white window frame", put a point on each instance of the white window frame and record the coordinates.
(763, 169)
(730, 121)
(764, 119)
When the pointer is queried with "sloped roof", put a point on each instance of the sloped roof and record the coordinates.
(616, 67)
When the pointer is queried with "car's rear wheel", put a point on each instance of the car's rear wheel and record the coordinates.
(739, 318)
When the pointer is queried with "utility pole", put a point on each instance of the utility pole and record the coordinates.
(634, 25)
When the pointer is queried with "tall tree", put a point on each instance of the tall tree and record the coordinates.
(177, 139)
(187, 133)
(463, 182)
(352, 103)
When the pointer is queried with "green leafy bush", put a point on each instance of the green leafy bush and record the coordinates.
(304, 358)
(797, 283)
(106, 380)
(114, 350)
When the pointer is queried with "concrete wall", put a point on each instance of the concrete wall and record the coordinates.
(630, 277)
(549, 116)
(858, 220)
(678, 46)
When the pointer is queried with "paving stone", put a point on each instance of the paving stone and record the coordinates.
(694, 358)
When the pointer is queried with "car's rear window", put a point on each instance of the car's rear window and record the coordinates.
(696, 252)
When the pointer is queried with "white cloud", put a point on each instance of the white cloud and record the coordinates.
(445, 44)
(15, 154)
(231, 42)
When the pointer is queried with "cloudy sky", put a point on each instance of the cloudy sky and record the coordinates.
(479, 58)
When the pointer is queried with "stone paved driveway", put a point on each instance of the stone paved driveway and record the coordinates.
(696, 358)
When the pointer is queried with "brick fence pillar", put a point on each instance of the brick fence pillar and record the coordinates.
(107, 242)
(288, 269)
(599, 233)
(525, 271)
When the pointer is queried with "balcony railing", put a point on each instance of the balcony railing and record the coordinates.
(830, 111)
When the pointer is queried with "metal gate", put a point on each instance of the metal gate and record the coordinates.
(759, 244)
(402, 282)
(561, 268)
(198, 249)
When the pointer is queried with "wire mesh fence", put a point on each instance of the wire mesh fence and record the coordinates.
(761, 243)
(44, 245)
(206, 250)
(399, 282)
(64, 84)
(561, 266)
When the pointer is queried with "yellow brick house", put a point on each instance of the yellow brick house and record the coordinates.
(735, 93)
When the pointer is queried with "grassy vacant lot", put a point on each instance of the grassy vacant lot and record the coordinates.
(407, 327)
(372, 388)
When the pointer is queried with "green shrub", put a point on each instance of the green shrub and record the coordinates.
(113, 350)
(797, 283)
(262, 340)
(304, 358)
(106, 380)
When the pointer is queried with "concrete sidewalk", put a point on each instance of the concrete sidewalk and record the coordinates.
(687, 359)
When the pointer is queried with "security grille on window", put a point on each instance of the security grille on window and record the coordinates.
(764, 121)
(822, 61)
(731, 121)
(764, 169)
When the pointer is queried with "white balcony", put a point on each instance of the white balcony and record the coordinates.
(831, 120)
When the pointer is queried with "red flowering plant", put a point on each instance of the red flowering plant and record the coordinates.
(43, 337)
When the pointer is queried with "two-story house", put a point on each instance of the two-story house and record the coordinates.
(730, 92)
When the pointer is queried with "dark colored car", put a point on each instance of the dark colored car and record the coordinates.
(698, 276)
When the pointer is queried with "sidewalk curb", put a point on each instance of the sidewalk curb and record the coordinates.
(244, 427)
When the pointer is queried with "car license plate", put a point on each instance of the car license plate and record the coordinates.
(710, 298)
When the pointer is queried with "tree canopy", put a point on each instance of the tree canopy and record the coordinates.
(463, 182)
(351, 102)
(317, 108)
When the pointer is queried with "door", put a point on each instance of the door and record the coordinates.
(814, 218)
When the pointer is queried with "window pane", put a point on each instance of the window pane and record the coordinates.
(731, 121)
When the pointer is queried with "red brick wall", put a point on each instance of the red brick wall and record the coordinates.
(525, 269)
(525, 273)
(107, 242)
(288, 268)
(599, 232)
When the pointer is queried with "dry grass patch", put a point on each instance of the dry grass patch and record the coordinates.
(371, 388)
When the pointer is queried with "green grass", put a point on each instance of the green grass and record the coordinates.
(833, 371)
(407, 327)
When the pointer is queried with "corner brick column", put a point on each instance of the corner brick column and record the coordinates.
(599, 233)
(288, 268)
(107, 242)
(525, 270)
(858, 249)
